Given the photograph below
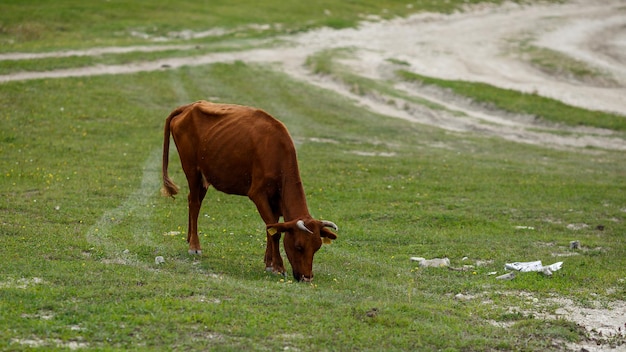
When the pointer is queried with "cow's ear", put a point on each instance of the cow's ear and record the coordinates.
(273, 229)
(327, 235)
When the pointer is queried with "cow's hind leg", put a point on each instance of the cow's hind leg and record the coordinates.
(197, 191)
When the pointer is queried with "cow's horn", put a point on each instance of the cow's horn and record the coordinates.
(327, 223)
(302, 227)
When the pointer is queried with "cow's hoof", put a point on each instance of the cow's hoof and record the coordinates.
(195, 251)
(269, 269)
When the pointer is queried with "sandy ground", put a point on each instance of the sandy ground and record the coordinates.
(479, 44)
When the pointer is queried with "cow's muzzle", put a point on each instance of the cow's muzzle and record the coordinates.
(302, 278)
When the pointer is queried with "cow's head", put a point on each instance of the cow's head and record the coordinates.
(304, 237)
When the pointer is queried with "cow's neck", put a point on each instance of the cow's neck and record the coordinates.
(293, 200)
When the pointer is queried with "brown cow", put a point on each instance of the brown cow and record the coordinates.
(245, 151)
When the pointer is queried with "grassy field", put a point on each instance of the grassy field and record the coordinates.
(81, 218)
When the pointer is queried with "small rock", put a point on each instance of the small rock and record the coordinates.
(574, 245)
(508, 276)
(483, 262)
(159, 260)
(435, 263)
(576, 227)
(462, 297)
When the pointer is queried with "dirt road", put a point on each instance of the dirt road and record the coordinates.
(483, 45)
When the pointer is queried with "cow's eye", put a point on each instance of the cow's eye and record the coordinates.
(299, 248)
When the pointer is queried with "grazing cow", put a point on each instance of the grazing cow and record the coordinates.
(245, 151)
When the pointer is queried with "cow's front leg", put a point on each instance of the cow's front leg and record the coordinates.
(268, 254)
(273, 260)
(270, 215)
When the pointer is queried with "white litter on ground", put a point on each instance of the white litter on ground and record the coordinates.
(532, 266)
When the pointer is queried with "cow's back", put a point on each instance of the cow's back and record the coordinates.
(232, 144)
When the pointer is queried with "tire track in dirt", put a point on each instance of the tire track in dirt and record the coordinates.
(102, 233)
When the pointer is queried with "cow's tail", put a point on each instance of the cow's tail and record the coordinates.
(169, 188)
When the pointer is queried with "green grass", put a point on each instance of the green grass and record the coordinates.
(81, 218)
